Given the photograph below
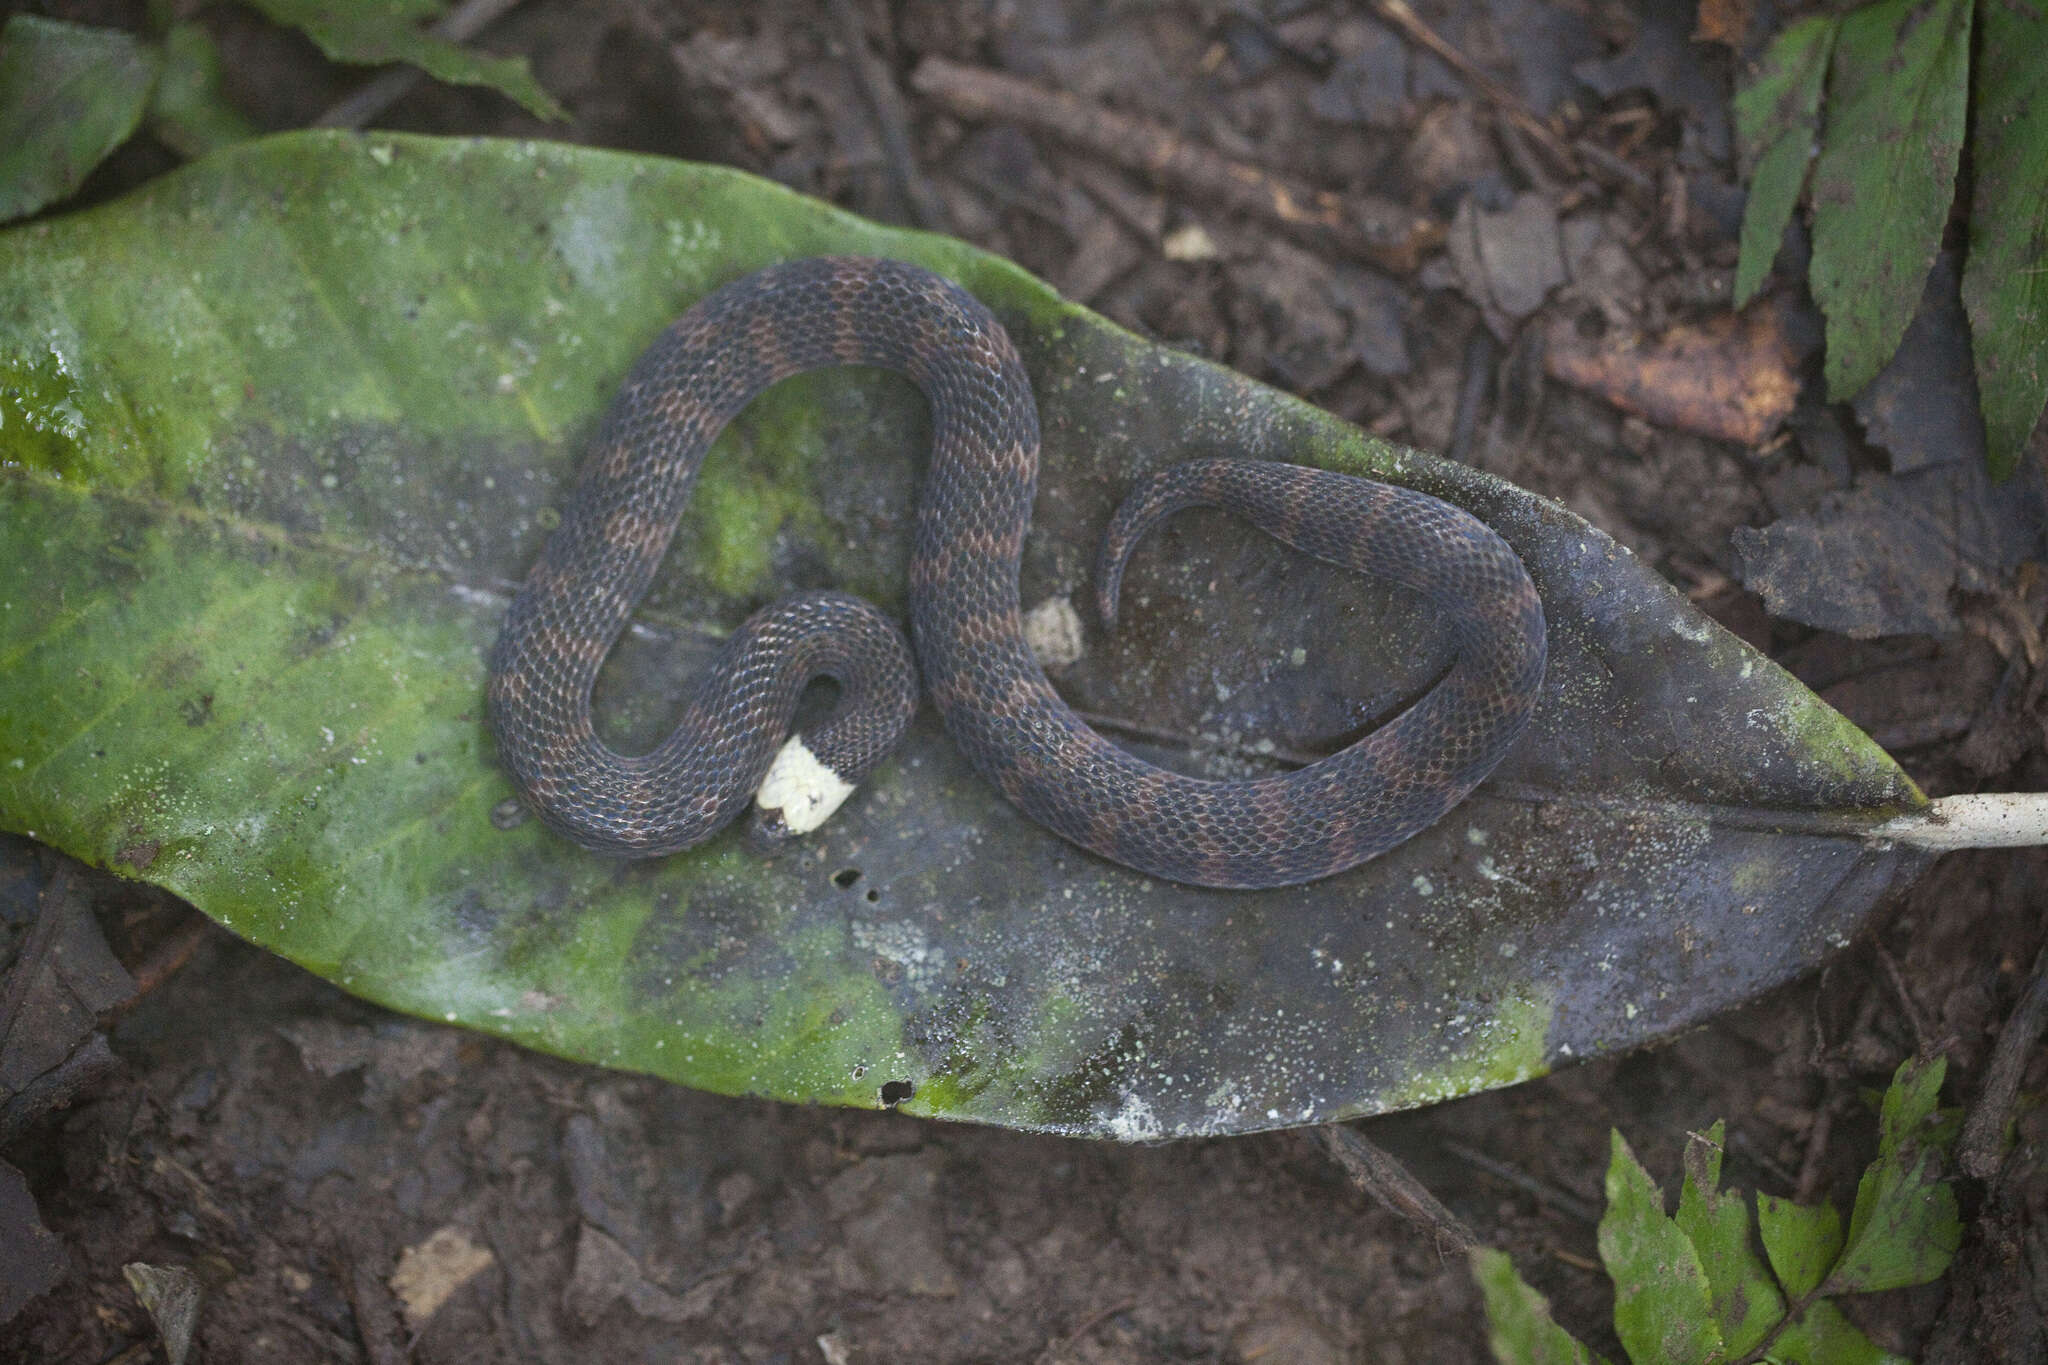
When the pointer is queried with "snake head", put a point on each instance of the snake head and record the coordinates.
(799, 794)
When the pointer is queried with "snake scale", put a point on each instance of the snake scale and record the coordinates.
(729, 745)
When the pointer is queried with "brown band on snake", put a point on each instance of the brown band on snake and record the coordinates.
(971, 519)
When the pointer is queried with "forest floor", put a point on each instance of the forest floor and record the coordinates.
(297, 1147)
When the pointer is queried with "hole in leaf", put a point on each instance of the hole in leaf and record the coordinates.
(895, 1092)
(845, 877)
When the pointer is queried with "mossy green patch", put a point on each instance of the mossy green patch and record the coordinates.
(1508, 1044)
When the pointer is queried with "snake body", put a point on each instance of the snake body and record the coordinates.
(965, 619)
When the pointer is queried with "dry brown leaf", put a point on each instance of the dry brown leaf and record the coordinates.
(1733, 377)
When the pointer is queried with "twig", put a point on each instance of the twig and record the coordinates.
(1542, 1191)
(1093, 1321)
(1808, 1184)
(1607, 163)
(387, 88)
(1525, 156)
(1922, 1036)
(1397, 13)
(1391, 1184)
(373, 1306)
(1983, 1144)
(1377, 229)
(890, 119)
(167, 957)
(1481, 351)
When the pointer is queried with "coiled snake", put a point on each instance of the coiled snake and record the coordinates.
(976, 503)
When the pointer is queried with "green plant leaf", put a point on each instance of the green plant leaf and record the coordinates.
(1663, 1304)
(69, 95)
(1716, 1221)
(376, 32)
(1519, 1326)
(2005, 276)
(1777, 115)
(189, 112)
(1890, 140)
(1822, 1336)
(1802, 1241)
(1904, 1229)
(281, 432)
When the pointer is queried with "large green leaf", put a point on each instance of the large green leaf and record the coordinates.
(1823, 1336)
(373, 32)
(1886, 175)
(2005, 280)
(69, 95)
(189, 110)
(1904, 1229)
(1776, 116)
(1717, 1223)
(1519, 1326)
(1802, 1241)
(1663, 1298)
(283, 431)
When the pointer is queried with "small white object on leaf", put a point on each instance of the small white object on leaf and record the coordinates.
(1053, 631)
(803, 789)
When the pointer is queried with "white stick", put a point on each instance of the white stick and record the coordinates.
(1988, 820)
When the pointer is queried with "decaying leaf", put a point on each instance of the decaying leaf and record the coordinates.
(1733, 377)
(282, 431)
(1890, 555)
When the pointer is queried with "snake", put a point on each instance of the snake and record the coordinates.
(733, 743)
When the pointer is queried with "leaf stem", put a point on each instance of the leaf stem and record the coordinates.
(1794, 1311)
(1979, 820)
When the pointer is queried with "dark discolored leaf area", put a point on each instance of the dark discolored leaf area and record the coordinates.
(1666, 59)
(32, 1260)
(284, 430)
(1891, 556)
(1922, 407)
(69, 95)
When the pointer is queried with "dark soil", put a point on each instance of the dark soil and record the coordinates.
(317, 1162)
